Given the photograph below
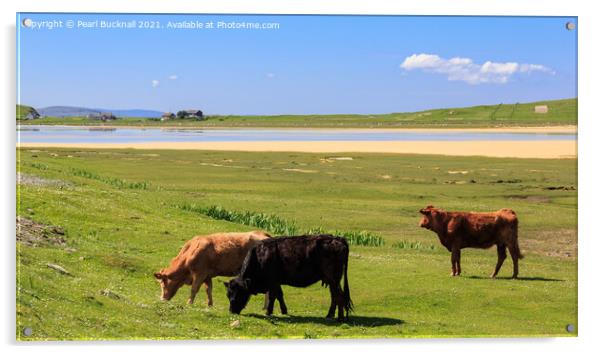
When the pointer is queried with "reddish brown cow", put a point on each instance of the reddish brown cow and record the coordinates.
(457, 230)
(205, 257)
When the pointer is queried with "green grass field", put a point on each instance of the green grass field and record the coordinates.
(561, 112)
(120, 215)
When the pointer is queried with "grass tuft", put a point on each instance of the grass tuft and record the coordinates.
(115, 182)
(412, 245)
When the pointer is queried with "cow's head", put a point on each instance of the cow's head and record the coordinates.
(238, 293)
(169, 284)
(430, 217)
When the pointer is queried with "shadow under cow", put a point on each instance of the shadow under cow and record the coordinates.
(365, 321)
(517, 279)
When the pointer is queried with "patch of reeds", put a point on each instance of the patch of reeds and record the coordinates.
(412, 245)
(279, 226)
(116, 182)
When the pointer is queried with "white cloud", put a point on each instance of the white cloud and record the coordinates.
(528, 68)
(499, 68)
(155, 83)
(173, 77)
(464, 69)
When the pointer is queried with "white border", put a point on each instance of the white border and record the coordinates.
(590, 115)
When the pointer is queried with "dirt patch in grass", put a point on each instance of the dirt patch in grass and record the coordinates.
(120, 261)
(36, 234)
(557, 243)
(299, 170)
(530, 198)
(33, 180)
(508, 181)
(560, 188)
(457, 172)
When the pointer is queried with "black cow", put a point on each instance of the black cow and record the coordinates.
(298, 261)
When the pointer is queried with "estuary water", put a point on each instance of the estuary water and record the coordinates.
(70, 134)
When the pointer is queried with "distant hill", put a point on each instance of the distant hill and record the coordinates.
(137, 113)
(557, 112)
(66, 111)
(69, 111)
(23, 111)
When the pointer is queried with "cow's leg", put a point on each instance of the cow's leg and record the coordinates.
(280, 297)
(455, 258)
(333, 304)
(515, 254)
(340, 299)
(209, 285)
(266, 300)
(458, 268)
(272, 297)
(197, 280)
(501, 256)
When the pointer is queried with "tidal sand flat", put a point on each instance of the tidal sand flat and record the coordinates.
(518, 149)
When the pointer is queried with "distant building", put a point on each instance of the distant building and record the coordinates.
(541, 109)
(102, 116)
(167, 116)
(191, 113)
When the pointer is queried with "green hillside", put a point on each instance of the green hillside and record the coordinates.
(23, 111)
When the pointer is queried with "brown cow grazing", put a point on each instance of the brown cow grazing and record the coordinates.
(457, 230)
(205, 257)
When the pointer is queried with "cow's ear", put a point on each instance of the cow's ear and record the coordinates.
(158, 276)
(427, 210)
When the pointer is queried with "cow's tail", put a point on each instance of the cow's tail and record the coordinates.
(346, 294)
(520, 254)
(515, 232)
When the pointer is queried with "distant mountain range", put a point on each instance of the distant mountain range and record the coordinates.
(68, 111)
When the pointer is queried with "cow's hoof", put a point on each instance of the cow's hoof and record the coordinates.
(190, 302)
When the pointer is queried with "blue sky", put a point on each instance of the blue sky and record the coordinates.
(310, 64)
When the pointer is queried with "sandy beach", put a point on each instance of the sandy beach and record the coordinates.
(519, 149)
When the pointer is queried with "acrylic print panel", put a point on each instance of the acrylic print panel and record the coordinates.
(170, 165)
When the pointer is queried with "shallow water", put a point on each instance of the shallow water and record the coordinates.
(54, 134)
